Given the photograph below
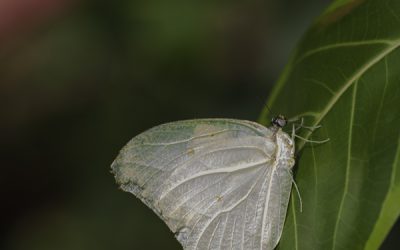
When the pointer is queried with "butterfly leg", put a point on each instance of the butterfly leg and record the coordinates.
(298, 194)
(301, 124)
(295, 129)
(311, 141)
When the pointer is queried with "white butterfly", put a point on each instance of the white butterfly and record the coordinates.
(216, 183)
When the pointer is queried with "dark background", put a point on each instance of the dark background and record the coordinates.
(78, 79)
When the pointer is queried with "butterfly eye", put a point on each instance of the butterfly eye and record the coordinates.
(279, 121)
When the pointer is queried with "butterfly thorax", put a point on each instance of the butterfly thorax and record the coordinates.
(285, 148)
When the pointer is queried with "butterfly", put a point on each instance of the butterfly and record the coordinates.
(216, 183)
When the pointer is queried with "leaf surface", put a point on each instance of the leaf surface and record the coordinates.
(345, 76)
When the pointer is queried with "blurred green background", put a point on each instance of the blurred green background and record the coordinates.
(78, 79)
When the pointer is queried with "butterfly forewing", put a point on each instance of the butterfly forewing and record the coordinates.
(217, 183)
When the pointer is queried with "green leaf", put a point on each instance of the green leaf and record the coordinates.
(345, 76)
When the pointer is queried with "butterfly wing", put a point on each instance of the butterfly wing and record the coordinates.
(214, 182)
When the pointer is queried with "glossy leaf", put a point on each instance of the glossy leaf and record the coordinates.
(345, 76)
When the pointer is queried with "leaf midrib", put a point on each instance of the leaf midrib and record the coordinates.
(377, 233)
(296, 59)
(348, 84)
(395, 44)
(339, 45)
(346, 182)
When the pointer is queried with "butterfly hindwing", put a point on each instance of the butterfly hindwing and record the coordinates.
(215, 182)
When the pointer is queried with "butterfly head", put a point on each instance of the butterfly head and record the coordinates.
(279, 121)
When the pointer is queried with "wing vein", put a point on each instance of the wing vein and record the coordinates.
(190, 138)
(227, 209)
(213, 171)
(266, 205)
(213, 234)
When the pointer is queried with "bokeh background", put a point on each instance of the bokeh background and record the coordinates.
(78, 79)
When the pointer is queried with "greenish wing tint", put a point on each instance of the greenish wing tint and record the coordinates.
(344, 75)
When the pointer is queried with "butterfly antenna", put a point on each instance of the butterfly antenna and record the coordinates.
(264, 104)
(270, 111)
